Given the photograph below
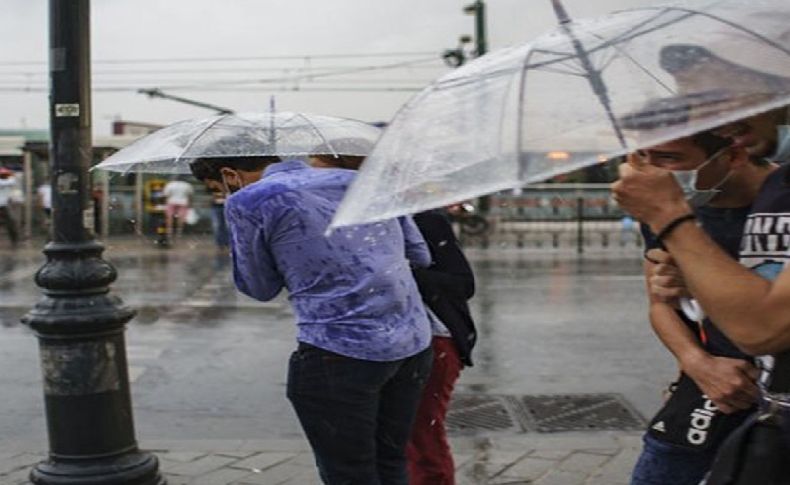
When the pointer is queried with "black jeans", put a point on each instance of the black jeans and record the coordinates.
(357, 414)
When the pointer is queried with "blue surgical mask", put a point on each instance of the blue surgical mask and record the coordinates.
(782, 153)
(687, 179)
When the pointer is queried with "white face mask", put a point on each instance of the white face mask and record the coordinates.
(687, 179)
(782, 153)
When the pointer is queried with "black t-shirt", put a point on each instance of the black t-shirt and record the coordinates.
(725, 227)
(766, 250)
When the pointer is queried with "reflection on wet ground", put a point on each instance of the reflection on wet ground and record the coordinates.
(208, 362)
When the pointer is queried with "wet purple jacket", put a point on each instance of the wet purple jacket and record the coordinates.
(353, 291)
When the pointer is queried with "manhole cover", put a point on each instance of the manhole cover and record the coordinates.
(542, 413)
(580, 412)
(472, 412)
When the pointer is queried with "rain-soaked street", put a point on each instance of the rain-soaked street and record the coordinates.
(207, 363)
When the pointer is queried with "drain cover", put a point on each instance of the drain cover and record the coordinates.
(580, 412)
(542, 413)
(473, 412)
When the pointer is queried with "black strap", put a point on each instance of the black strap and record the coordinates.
(673, 225)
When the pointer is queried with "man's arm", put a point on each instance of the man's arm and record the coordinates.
(254, 270)
(417, 251)
(729, 383)
(753, 312)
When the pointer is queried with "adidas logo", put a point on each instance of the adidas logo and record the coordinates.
(660, 427)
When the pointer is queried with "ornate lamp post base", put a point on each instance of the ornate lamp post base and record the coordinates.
(79, 323)
(128, 469)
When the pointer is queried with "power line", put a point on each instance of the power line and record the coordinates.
(300, 68)
(234, 59)
(131, 89)
(306, 76)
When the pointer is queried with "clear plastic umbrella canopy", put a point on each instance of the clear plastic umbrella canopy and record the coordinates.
(284, 134)
(582, 94)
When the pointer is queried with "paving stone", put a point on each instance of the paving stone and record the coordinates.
(235, 454)
(499, 462)
(282, 473)
(602, 451)
(618, 469)
(550, 454)
(583, 462)
(560, 477)
(263, 461)
(200, 466)
(16, 477)
(460, 459)
(527, 469)
(223, 476)
(19, 460)
(181, 456)
(177, 480)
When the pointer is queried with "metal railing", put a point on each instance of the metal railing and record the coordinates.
(557, 216)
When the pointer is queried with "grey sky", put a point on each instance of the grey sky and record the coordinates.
(177, 29)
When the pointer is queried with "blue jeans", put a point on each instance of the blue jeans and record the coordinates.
(357, 414)
(663, 464)
(218, 226)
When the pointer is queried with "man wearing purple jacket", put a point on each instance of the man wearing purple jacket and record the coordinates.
(363, 334)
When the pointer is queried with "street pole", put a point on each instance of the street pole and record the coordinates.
(79, 324)
(478, 9)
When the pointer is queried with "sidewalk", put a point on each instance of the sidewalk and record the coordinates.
(598, 458)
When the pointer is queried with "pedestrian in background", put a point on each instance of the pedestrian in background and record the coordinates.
(8, 189)
(445, 286)
(178, 199)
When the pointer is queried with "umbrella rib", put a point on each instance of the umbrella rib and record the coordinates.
(520, 122)
(320, 135)
(199, 134)
(624, 37)
(596, 81)
(619, 50)
(729, 23)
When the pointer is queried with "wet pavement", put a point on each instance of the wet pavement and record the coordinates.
(209, 364)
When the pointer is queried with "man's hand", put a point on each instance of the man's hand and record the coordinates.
(649, 193)
(665, 280)
(729, 383)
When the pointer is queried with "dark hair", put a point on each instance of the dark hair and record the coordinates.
(710, 142)
(209, 168)
(350, 162)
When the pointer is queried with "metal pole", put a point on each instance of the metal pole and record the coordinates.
(481, 48)
(481, 37)
(105, 203)
(580, 224)
(79, 324)
(138, 203)
(27, 161)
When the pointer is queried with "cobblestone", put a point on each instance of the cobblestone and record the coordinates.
(539, 460)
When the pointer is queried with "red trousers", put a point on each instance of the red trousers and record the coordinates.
(428, 452)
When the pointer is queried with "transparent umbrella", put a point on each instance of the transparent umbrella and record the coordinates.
(284, 134)
(582, 94)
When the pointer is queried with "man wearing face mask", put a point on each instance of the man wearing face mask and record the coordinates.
(715, 375)
(363, 335)
(749, 303)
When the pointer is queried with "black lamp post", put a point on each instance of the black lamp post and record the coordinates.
(79, 324)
